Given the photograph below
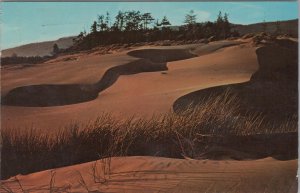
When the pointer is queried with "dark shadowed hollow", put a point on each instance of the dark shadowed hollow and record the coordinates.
(272, 90)
(54, 95)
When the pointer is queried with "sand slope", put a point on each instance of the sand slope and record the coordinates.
(277, 76)
(143, 93)
(154, 174)
(128, 84)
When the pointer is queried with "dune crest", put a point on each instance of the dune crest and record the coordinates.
(151, 60)
(125, 93)
(56, 95)
(277, 76)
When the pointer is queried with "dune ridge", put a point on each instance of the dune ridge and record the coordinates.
(128, 93)
(56, 95)
(221, 135)
(277, 76)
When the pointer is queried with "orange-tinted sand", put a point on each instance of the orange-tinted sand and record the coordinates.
(139, 94)
(142, 94)
(154, 174)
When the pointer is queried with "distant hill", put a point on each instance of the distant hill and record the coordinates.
(39, 48)
(45, 48)
(286, 27)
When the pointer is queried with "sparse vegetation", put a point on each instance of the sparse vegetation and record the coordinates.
(216, 121)
(24, 60)
(15, 59)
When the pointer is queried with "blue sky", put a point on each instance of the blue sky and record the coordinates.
(28, 22)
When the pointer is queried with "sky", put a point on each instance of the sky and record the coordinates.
(27, 22)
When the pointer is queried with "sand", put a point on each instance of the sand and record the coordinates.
(156, 174)
(140, 94)
(140, 86)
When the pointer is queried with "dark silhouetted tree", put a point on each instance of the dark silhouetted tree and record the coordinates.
(226, 26)
(80, 37)
(55, 49)
(165, 22)
(190, 18)
(133, 20)
(147, 19)
(101, 23)
(133, 26)
(119, 22)
(219, 28)
(94, 28)
(107, 21)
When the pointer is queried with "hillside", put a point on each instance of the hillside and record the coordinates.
(39, 48)
(285, 27)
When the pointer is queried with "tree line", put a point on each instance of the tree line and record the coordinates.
(135, 26)
(14, 59)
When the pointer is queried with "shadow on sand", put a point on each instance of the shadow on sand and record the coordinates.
(44, 95)
(271, 91)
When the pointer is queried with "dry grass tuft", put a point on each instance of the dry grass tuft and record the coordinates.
(187, 134)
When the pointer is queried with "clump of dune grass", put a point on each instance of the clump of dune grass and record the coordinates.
(187, 134)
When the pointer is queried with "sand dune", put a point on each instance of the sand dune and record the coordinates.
(277, 76)
(141, 82)
(155, 174)
(144, 93)
(55, 95)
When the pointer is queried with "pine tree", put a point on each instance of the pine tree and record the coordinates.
(220, 18)
(119, 22)
(94, 27)
(101, 23)
(107, 21)
(190, 18)
(165, 22)
(220, 32)
(226, 26)
(147, 19)
(132, 20)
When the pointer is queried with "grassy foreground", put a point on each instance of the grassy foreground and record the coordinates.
(192, 134)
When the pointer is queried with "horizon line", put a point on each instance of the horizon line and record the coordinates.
(68, 36)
